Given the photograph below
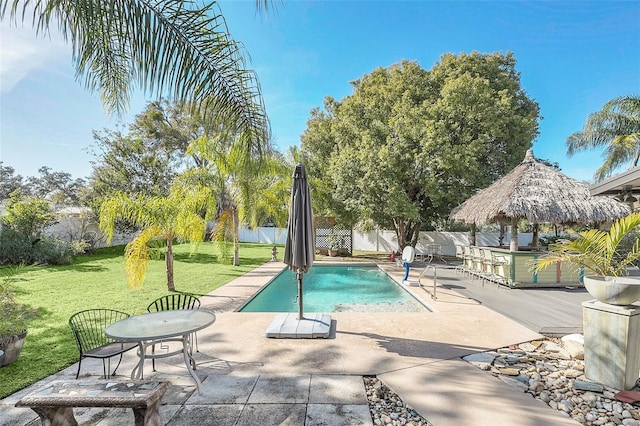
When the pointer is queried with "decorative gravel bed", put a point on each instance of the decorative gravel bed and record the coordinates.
(547, 371)
(544, 369)
(387, 408)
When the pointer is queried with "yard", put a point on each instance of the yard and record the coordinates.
(98, 281)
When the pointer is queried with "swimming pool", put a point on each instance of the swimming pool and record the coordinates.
(335, 289)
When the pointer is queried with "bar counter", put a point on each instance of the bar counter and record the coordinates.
(519, 270)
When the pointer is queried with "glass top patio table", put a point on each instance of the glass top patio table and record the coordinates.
(159, 327)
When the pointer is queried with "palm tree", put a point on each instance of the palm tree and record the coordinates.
(175, 48)
(601, 252)
(616, 127)
(181, 215)
(249, 189)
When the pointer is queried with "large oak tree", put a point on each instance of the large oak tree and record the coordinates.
(408, 145)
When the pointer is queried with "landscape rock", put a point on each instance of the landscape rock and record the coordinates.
(481, 360)
(574, 344)
(552, 373)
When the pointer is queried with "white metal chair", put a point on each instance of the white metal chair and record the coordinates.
(468, 260)
(476, 262)
(460, 255)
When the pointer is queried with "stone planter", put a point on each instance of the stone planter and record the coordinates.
(613, 290)
(11, 346)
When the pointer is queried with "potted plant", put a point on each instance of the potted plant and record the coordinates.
(334, 243)
(603, 254)
(14, 317)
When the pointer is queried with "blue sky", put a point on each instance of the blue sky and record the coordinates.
(573, 57)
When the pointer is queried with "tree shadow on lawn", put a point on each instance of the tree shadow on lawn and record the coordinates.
(103, 253)
(195, 258)
(18, 276)
(73, 267)
(212, 259)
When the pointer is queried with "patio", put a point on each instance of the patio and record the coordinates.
(417, 355)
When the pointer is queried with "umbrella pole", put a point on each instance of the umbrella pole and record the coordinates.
(300, 315)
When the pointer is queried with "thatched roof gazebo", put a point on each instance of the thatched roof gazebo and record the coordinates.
(540, 194)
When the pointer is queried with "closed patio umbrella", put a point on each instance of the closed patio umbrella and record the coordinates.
(299, 250)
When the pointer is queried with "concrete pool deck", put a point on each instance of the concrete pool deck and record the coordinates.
(418, 355)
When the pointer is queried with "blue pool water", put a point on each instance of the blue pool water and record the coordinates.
(335, 289)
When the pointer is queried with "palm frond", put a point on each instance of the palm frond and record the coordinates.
(119, 206)
(616, 127)
(137, 254)
(179, 48)
(622, 227)
(631, 257)
(597, 250)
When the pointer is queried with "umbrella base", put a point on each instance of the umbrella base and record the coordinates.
(288, 326)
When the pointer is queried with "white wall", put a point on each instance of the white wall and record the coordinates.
(386, 241)
(378, 240)
(263, 235)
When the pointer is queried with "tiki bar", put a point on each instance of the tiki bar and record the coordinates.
(538, 193)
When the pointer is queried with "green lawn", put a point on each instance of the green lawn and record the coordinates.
(98, 281)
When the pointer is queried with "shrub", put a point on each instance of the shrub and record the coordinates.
(598, 251)
(17, 248)
(626, 246)
(552, 239)
(52, 251)
(28, 216)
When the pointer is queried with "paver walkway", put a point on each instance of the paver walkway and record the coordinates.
(418, 355)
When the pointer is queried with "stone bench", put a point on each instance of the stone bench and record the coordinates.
(54, 403)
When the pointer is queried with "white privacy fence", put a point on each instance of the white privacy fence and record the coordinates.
(384, 241)
(265, 235)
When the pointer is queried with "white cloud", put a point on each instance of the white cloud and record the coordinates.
(21, 52)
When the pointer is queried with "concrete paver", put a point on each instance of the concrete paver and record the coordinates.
(224, 389)
(249, 379)
(338, 415)
(273, 414)
(190, 415)
(337, 389)
(291, 390)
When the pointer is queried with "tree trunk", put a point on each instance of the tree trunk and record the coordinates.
(534, 241)
(399, 228)
(168, 256)
(236, 243)
(472, 237)
(407, 233)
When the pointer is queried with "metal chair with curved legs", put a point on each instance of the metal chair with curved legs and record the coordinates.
(172, 302)
(88, 330)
